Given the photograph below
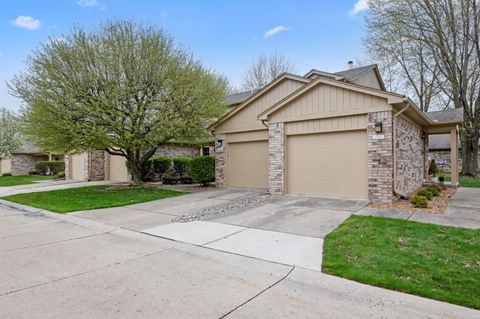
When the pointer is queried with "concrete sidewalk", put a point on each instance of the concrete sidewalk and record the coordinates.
(44, 186)
(463, 210)
(62, 266)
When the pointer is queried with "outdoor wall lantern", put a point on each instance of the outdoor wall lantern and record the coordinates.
(378, 127)
(219, 145)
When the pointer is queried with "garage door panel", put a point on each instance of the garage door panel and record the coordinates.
(248, 164)
(328, 164)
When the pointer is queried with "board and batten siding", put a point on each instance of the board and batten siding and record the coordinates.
(345, 123)
(368, 79)
(246, 118)
(325, 101)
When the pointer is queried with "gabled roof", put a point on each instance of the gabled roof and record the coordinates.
(446, 116)
(237, 98)
(27, 148)
(355, 73)
(391, 97)
(257, 94)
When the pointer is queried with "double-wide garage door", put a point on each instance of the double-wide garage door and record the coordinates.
(328, 164)
(247, 164)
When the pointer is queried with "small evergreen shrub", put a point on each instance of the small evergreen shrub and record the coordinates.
(202, 169)
(41, 167)
(170, 180)
(56, 167)
(7, 174)
(419, 201)
(439, 187)
(160, 165)
(426, 193)
(181, 165)
(434, 191)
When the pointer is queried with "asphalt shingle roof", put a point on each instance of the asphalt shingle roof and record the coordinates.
(27, 148)
(355, 72)
(450, 115)
(238, 98)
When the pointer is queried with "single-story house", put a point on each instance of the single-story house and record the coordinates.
(22, 161)
(439, 145)
(99, 165)
(328, 134)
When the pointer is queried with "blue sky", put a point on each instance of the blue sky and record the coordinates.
(225, 35)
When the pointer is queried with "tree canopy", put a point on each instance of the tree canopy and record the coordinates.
(124, 87)
(10, 139)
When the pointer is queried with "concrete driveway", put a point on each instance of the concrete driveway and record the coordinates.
(56, 266)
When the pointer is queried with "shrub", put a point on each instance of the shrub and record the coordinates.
(426, 193)
(432, 168)
(60, 175)
(439, 187)
(170, 180)
(433, 190)
(56, 167)
(181, 165)
(33, 172)
(7, 174)
(41, 167)
(419, 201)
(160, 165)
(202, 169)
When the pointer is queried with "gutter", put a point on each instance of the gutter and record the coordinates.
(395, 191)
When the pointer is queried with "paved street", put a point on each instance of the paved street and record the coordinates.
(54, 266)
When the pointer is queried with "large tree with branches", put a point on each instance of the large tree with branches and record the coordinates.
(125, 88)
(446, 34)
(10, 139)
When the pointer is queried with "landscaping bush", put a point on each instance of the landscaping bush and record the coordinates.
(161, 164)
(42, 167)
(56, 167)
(181, 165)
(425, 192)
(419, 201)
(7, 174)
(439, 187)
(170, 180)
(433, 190)
(60, 175)
(202, 169)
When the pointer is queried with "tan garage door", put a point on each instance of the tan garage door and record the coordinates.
(328, 164)
(118, 169)
(248, 164)
(78, 166)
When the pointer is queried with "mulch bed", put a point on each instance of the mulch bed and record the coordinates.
(436, 205)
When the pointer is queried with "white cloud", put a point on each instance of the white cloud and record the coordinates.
(88, 3)
(359, 6)
(274, 31)
(26, 22)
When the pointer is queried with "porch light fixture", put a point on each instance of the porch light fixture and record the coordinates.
(378, 127)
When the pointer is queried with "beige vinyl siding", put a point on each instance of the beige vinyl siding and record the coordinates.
(78, 166)
(247, 136)
(5, 166)
(247, 164)
(369, 79)
(345, 123)
(325, 101)
(328, 164)
(117, 169)
(246, 119)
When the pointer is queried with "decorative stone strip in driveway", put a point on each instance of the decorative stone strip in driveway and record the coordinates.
(294, 250)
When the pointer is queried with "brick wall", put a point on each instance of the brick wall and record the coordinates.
(24, 163)
(97, 166)
(445, 155)
(380, 158)
(177, 151)
(220, 158)
(276, 158)
(410, 156)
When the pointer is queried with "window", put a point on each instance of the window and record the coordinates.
(206, 150)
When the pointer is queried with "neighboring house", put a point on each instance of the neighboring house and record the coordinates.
(23, 160)
(439, 145)
(327, 134)
(99, 165)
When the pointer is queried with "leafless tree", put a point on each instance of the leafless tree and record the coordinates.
(447, 33)
(264, 69)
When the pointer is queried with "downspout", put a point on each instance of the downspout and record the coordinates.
(395, 191)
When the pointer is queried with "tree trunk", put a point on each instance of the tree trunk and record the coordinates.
(136, 171)
(469, 144)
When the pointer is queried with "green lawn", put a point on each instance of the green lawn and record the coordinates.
(463, 182)
(22, 180)
(428, 260)
(90, 197)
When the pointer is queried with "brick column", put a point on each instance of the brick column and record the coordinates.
(380, 158)
(220, 158)
(68, 170)
(276, 158)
